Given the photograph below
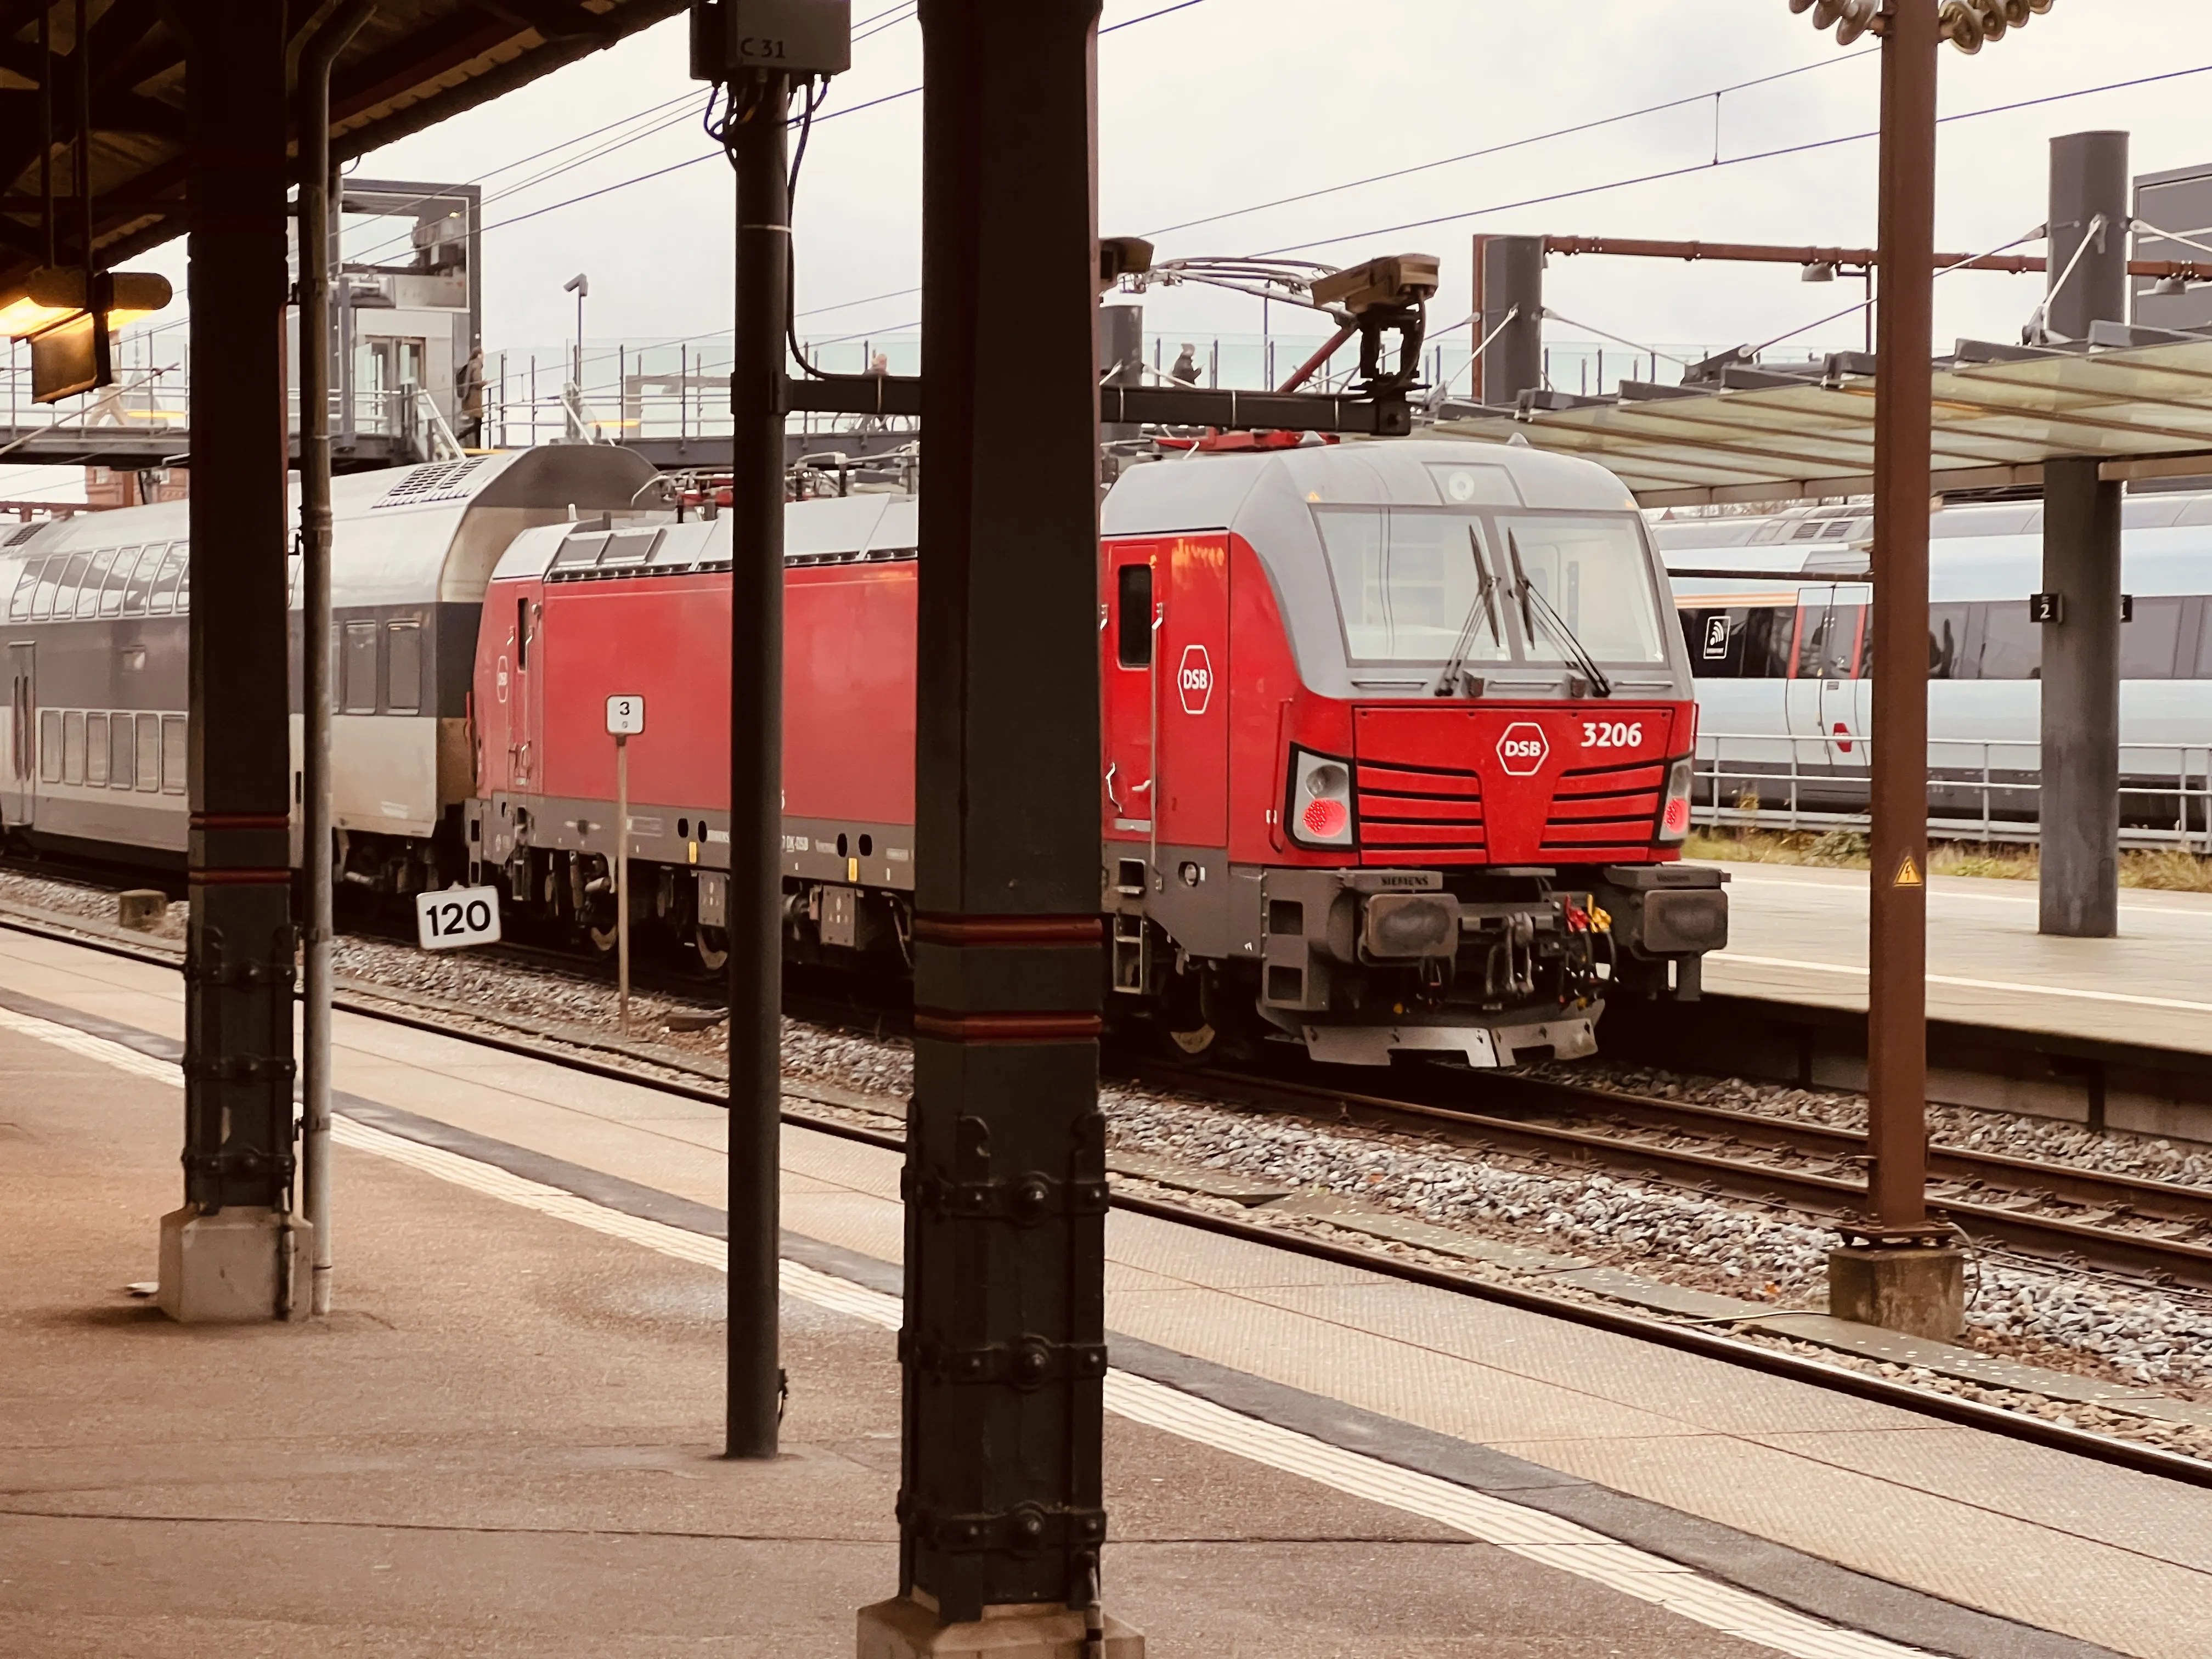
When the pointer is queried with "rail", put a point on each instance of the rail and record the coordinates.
(1980, 789)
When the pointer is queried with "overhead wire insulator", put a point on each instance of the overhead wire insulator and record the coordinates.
(1961, 23)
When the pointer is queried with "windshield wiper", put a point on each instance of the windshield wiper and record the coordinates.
(1553, 620)
(1484, 608)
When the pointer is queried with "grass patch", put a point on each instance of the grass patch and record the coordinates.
(2169, 869)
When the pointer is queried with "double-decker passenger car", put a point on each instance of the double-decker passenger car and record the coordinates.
(96, 614)
(1395, 743)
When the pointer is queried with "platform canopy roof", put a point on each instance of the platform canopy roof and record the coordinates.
(413, 64)
(2145, 411)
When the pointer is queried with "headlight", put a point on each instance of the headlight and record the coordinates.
(1320, 809)
(1674, 806)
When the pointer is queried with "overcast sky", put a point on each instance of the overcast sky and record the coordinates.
(1221, 105)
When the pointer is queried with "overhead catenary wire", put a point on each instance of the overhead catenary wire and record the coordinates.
(1665, 173)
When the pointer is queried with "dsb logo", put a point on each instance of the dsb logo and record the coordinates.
(1524, 749)
(1194, 680)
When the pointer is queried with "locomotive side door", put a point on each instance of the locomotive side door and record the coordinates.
(19, 783)
(1191, 692)
(1128, 633)
(528, 708)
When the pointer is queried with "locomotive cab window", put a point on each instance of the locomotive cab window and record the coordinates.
(140, 586)
(1132, 601)
(1588, 576)
(1413, 585)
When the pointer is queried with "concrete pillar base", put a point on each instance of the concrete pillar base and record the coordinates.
(904, 1628)
(239, 1266)
(1919, 1290)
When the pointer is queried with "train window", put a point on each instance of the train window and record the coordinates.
(95, 750)
(2150, 642)
(1827, 642)
(149, 752)
(96, 578)
(73, 747)
(521, 634)
(161, 597)
(119, 578)
(27, 581)
(1595, 573)
(2012, 646)
(182, 551)
(403, 669)
(50, 745)
(50, 581)
(1132, 601)
(358, 669)
(141, 583)
(122, 751)
(1406, 584)
(176, 754)
(1947, 643)
(65, 600)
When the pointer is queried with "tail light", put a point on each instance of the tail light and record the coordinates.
(1674, 805)
(1320, 809)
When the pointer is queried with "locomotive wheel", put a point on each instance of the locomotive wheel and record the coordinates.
(713, 947)
(1198, 1046)
(1189, 1036)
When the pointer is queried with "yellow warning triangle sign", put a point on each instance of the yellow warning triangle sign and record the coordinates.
(1908, 873)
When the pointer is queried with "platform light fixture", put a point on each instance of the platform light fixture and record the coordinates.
(69, 318)
(1820, 270)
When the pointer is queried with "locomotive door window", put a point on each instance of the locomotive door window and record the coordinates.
(1822, 653)
(1190, 691)
(1846, 696)
(18, 790)
(1127, 671)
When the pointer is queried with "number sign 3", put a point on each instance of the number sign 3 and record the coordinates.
(457, 917)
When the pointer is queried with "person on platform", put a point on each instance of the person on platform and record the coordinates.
(1186, 366)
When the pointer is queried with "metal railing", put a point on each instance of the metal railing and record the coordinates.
(1980, 789)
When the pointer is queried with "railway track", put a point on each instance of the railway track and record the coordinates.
(2063, 1215)
(1690, 1337)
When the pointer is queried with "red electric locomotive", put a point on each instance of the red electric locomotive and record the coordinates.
(1395, 752)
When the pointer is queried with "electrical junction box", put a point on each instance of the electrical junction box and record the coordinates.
(798, 37)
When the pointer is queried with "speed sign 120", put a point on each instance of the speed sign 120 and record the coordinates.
(457, 917)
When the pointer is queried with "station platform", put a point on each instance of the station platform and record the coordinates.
(502, 1441)
(1798, 934)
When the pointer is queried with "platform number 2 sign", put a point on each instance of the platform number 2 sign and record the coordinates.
(457, 917)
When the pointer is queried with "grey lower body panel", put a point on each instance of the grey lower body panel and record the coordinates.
(1565, 1036)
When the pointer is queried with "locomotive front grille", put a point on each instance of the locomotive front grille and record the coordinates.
(1605, 809)
(1405, 811)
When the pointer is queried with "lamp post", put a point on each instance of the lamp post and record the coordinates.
(580, 286)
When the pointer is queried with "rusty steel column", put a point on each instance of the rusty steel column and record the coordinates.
(233, 1251)
(1896, 1270)
(1003, 1350)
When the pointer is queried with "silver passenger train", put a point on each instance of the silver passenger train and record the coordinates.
(1775, 612)
(95, 613)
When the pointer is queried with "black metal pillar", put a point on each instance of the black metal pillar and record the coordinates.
(761, 102)
(2080, 801)
(1509, 285)
(1003, 1349)
(238, 962)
